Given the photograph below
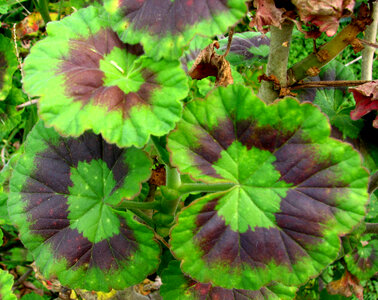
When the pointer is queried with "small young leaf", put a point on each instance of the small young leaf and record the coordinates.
(165, 27)
(62, 197)
(296, 190)
(88, 79)
(178, 286)
(6, 283)
(363, 261)
(8, 64)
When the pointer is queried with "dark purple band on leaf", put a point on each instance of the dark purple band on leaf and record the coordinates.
(204, 291)
(46, 191)
(248, 133)
(77, 250)
(165, 16)
(299, 228)
(85, 81)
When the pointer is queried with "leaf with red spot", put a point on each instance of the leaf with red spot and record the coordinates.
(63, 197)
(363, 260)
(88, 79)
(165, 27)
(8, 65)
(267, 13)
(366, 96)
(178, 286)
(293, 190)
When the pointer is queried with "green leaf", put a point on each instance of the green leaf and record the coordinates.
(295, 190)
(165, 27)
(363, 260)
(8, 65)
(88, 79)
(63, 194)
(10, 116)
(336, 103)
(6, 283)
(33, 296)
(1, 237)
(246, 49)
(177, 286)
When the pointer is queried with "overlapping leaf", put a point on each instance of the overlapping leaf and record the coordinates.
(6, 283)
(177, 286)
(246, 48)
(63, 194)
(88, 79)
(165, 27)
(363, 261)
(295, 190)
(8, 64)
(334, 102)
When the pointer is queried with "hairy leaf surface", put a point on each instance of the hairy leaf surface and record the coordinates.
(296, 190)
(8, 64)
(63, 194)
(178, 286)
(165, 27)
(88, 79)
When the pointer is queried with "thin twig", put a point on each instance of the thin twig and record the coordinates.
(353, 61)
(20, 280)
(374, 45)
(31, 102)
(24, 7)
(337, 83)
(230, 35)
(161, 239)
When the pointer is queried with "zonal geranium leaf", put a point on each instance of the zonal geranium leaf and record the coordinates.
(63, 194)
(177, 286)
(8, 64)
(363, 261)
(165, 27)
(88, 79)
(295, 190)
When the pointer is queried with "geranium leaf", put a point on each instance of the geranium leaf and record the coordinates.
(165, 27)
(363, 260)
(88, 79)
(246, 48)
(8, 64)
(63, 194)
(296, 190)
(334, 102)
(178, 286)
(6, 283)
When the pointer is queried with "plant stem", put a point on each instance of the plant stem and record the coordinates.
(312, 64)
(204, 187)
(140, 205)
(43, 8)
(371, 228)
(143, 216)
(368, 52)
(277, 61)
(336, 83)
(173, 179)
